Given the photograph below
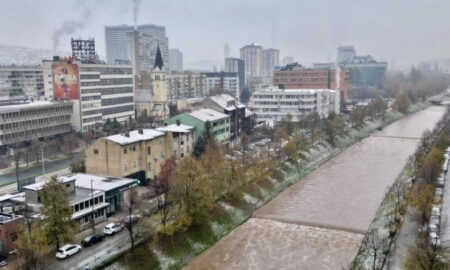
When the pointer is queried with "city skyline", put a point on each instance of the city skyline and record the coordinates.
(318, 27)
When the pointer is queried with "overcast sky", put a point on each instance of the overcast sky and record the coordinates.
(402, 32)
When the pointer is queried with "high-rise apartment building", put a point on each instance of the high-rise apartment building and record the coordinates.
(98, 91)
(218, 82)
(271, 59)
(175, 60)
(138, 45)
(238, 66)
(19, 81)
(253, 57)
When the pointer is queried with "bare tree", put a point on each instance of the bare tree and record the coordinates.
(374, 246)
(71, 141)
(131, 201)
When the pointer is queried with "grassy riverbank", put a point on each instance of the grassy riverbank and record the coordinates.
(227, 215)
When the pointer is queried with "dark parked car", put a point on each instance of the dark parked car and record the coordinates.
(92, 239)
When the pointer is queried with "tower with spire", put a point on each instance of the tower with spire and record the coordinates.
(160, 91)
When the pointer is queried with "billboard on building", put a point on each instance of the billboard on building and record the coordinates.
(65, 81)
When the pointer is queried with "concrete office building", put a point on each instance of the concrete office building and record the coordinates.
(273, 104)
(271, 59)
(124, 43)
(25, 121)
(238, 66)
(20, 81)
(98, 91)
(175, 60)
(253, 57)
(218, 82)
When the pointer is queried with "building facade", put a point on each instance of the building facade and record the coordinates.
(10, 227)
(88, 205)
(273, 104)
(138, 154)
(26, 121)
(183, 139)
(287, 60)
(22, 81)
(295, 76)
(363, 70)
(238, 66)
(186, 84)
(124, 43)
(253, 58)
(175, 60)
(220, 123)
(98, 91)
(271, 59)
(217, 82)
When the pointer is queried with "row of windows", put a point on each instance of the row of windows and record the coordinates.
(35, 133)
(86, 204)
(92, 112)
(87, 219)
(89, 77)
(108, 91)
(324, 80)
(93, 119)
(107, 71)
(115, 110)
(35, 122)
(113, 101)
(109, 82)
(90, 98)
(220, 131)
(36, 112)
(285, 96)
(303, 74)
(282, 103)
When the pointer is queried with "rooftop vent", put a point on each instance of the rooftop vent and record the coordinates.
(127, 134)
(141, 131)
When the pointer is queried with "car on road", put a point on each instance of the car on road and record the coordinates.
(92, 239)
(67, 251)
(131, 219)
(112, 228)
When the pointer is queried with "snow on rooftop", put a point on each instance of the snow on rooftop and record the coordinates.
(102, 183)
(135, 136)
(38, 186)
(276, 89)
(226, 101)
(181, 128)
(206, 114)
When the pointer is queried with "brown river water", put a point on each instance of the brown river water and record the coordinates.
(319, 222)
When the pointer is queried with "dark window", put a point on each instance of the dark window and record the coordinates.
(149, 150)
(95, 151)
(77, 208)
(96, 200)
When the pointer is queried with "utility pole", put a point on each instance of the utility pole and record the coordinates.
(92, 198)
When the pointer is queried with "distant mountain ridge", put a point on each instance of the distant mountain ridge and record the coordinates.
(20, 55)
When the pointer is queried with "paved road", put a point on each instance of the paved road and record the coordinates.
(94, 254)
(36, 171)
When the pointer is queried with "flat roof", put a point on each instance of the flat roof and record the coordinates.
(279, 90)
(206, 114)
(135, 136)
(103, 183)
(181, 128)
(38, 186)
(81, 194)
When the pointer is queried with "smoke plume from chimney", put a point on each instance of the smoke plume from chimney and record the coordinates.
(71, 26)
(136, 5)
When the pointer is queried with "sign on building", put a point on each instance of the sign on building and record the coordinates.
(65, 81)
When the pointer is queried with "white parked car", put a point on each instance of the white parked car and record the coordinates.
(67, 251)
(112, 228)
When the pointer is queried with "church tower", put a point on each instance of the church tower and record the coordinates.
(160, 91)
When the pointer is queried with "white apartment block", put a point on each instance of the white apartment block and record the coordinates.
(272, 104)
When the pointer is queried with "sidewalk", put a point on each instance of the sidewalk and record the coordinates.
(405, 240)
